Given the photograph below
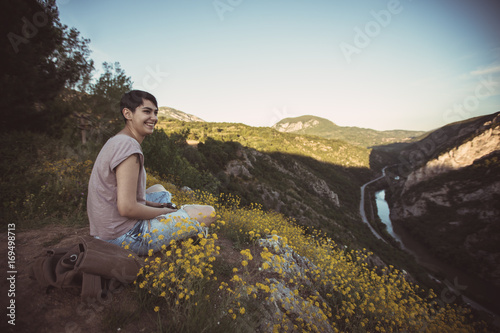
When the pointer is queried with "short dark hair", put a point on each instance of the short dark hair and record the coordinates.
(134, 98)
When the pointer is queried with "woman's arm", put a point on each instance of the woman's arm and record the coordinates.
(160, 205)
(127, 175)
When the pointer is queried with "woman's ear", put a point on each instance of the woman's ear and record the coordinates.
(127, 113)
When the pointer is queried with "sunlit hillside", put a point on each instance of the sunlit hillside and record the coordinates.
(364, 137)
(269, 140)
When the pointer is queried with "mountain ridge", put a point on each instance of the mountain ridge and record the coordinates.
(314, 125)
(318, 126)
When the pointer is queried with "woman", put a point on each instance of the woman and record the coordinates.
(120, 209)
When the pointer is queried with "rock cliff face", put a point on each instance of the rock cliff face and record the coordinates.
(451, 201)
(294, 172)
(313, 193)
(486, 141)
(295, 126)
(171, 113)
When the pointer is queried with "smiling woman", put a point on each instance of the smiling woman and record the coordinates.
(140, 122)
(119, 207)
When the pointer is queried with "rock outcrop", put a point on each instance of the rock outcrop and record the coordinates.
(294, 172)
(484, 143)
(295, 126)
(171, 113)
(284, 298)
(450, 201)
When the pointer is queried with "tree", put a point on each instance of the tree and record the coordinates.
(103, 119)
(41, 58)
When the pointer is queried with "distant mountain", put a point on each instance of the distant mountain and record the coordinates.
(171, 113)
(365, 137)
(448, 192)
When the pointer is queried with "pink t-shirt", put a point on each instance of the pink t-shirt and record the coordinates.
(102, 209)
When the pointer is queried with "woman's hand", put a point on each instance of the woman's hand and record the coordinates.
(161, 205)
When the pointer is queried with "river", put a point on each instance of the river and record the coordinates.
(384, 212)
(455, 280)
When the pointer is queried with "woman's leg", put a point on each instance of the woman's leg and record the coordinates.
(174, 226)
(133, 240)
(158, 194)
(202, 213)
(188, 221)
(155, 188)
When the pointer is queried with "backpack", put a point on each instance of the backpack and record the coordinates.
(93, 265)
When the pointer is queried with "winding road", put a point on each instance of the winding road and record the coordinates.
(362, 206)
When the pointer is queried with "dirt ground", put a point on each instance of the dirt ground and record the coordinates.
(38, 310)
(56, 310)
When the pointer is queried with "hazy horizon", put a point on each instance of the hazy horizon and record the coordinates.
(412, 65)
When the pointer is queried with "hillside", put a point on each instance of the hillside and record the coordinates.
(312, 125)
(448, 193)
(165, 112)
(313, 180)
(455, 145)
(268, 140)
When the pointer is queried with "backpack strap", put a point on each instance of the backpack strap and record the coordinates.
(92, 288)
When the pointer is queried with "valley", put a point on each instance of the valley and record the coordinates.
(430, 181)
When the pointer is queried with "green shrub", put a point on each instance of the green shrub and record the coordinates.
(40, 183)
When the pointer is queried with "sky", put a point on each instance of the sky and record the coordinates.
(380, 64)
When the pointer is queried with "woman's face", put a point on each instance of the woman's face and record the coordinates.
(144, 119)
